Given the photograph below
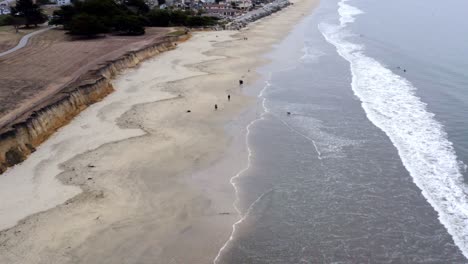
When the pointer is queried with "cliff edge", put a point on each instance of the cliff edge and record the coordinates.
(21, 136)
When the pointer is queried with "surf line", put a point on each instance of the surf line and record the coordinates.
(240, 221)
(424, 148)
(232, 180)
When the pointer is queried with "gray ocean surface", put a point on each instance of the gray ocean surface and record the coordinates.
(369, 167)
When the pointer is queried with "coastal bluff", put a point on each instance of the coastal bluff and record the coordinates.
(22, 135)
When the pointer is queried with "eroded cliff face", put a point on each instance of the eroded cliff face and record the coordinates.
(20, 138)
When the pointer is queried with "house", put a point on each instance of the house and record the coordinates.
(204, 2)
(4, 10)
(152, 3)
(239, 5)
(63, 2)
(221, 10)
(219, 6)
(243, 4)
(182, 4)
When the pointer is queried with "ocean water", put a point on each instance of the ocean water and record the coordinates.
(369, 167)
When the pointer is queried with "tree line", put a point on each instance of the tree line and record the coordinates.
(130, 17)
(92, 17)
(26, 13)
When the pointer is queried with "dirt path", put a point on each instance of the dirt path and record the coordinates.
(24, 41)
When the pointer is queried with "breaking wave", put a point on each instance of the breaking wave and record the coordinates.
(391, 104)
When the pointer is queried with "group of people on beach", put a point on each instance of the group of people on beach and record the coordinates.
(216, 105)
(241, 82)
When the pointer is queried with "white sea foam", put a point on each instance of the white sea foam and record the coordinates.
(347, 13)
(391, 104)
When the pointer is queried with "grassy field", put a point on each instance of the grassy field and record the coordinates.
(177, 32)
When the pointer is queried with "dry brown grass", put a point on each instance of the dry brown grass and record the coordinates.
(53, 59)
(9, 38)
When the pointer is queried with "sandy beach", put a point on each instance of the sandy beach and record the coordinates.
(136, 178)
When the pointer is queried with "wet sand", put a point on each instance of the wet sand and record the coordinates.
(136, 178)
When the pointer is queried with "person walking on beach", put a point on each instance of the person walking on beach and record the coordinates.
(229, 97)
(216, 107)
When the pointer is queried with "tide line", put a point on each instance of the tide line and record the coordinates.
(249, 161)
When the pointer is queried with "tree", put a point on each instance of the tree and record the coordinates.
(137, 6)
(200, 12)
(105, 9)
(199, 21)
(17, 22)
(159, 18)
(130, 25)
(91, 17)
(178, 18)
(30, 12)
(63, 16)
(6, 20)
(44, 2)
(88, 25)
(165, 18)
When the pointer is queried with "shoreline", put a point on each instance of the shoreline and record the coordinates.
(130, 207)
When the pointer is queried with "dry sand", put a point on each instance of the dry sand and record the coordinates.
(135, 178)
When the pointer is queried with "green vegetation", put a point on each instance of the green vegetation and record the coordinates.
(137, 6)
(168, 18)
(27, 13)
(132, 25)
(92, 17)
(85, 24)
(44, 2)
(177, 33)
(6, 20)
